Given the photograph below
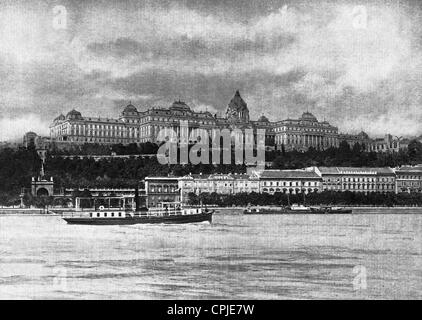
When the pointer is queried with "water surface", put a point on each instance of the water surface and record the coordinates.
(236, 257)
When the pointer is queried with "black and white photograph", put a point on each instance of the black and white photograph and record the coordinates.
(198, 150)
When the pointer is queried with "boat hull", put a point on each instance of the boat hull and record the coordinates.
(173, 219)
(288, 211)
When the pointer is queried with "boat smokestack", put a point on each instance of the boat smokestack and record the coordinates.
(137, 198)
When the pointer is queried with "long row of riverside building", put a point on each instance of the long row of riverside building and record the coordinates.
(312, 179)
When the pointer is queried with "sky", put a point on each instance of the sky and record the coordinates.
(356, 64)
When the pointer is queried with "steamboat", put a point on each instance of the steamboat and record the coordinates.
(119, 211)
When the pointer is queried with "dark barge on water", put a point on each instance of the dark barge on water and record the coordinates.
(125, 214)
(301, 209)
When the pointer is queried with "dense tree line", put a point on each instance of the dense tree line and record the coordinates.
(121, 172)
(104, 149)
(345, 156)
(346, 198)
(16, 169)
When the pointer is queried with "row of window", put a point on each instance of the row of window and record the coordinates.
(162, 189)
(106, 214)
(409, 183)
(165, 119)
(271, 190)
(290, 183)
(303, 129)
(306, 140)
(98, 140)
(364, 179)
(384, 146)
(409, 177)
(367, 186)
(220, 190)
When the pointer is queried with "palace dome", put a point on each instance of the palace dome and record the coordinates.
(130, 108)
(363, 134)
(179, 106)
(308, 116)
(60, 117)
(237, 103)
(263, 119)
(74, 114)
(237, 109)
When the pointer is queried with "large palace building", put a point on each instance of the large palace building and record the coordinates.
(135, 126)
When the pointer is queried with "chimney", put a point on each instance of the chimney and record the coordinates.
(136, 198)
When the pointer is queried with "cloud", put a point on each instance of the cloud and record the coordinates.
(14, 128)
(318, 38)
(212, 90)
(285, 57)
(187, 48)
(121, 47)
(397, 124)
(200, 107)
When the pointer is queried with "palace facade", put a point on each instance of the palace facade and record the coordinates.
(135, 126)
(305, 132)
(155, 124)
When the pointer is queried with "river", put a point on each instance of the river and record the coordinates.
(357, 256)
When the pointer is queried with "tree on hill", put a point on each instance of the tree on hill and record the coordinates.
(415, 151)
